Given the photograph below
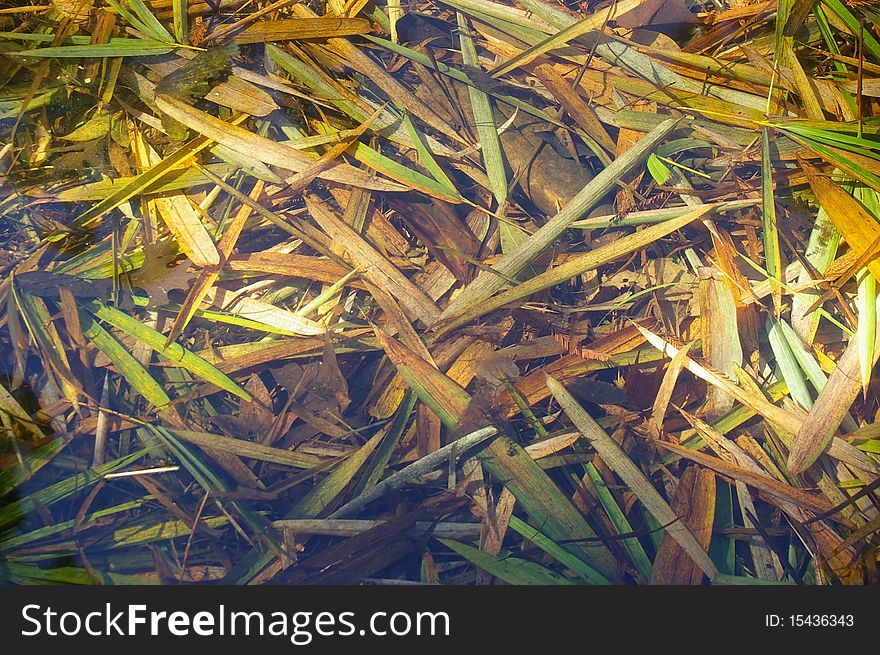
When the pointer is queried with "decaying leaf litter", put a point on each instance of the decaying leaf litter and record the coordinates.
(459, 292)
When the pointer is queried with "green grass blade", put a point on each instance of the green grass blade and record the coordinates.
(146, 21)
(837, 134)
(36, 316)
(52, 493)
(772, 252)
(32, 574)
(808, 364)
(722, 550)
(426, 157)
(249, 449)
(546, 544)
(140, 182)
(871, 44)
(139, 534)
(460, 76)
(509, 265)
(484, 118)
(621, 524)
(511, 570)
(544, 502)
(840, 160)
(180, 20)
(130, 368)
(13, 541)
(396, 171)
(210, 481)
(789, 365)
(821, 251)
(831, 44)
(725, 579)
(116, 48)
(22, 471)
(455, 316)
(174, 352)
(549, 43)
(374, 471)
(512, 238)
(326, 491)
(388, 123)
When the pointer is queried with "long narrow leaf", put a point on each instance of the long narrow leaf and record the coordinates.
(174, 352)
(484, 118)
(614, 456)
(130, 368)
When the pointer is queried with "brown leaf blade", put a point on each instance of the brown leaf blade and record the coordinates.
(290, 29)
(829, 410)
(694, 501)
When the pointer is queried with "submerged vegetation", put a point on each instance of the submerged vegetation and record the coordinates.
(467, 291)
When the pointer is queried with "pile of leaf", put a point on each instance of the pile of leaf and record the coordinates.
(455, 292)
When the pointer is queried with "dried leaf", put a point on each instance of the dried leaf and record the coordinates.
(694, 502)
